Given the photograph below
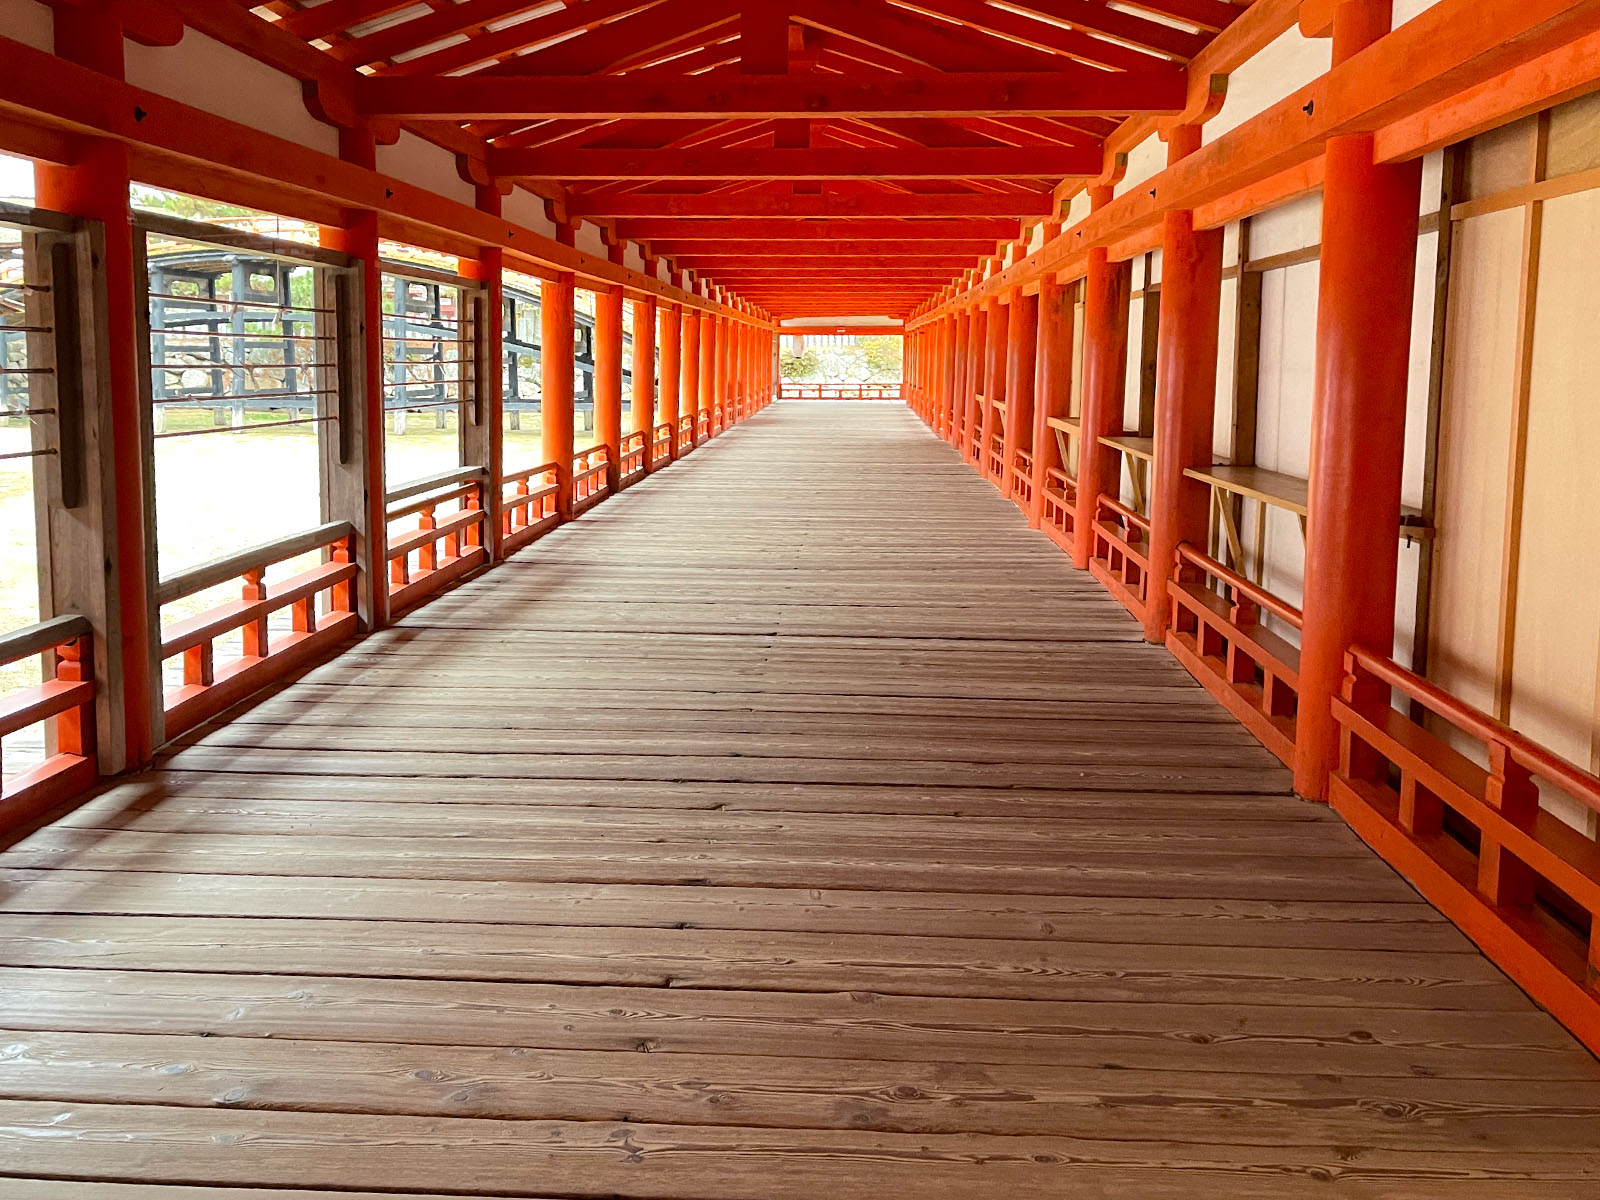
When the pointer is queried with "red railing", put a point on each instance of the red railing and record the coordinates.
(995, 461)
(1022, 478)
(1252, 670)
(661, 445)
(1058, 506)
(702, 424)
(839, 391)
(1474, 838)
(686, 426)
(529, 508)
(207, 688)
(631, 458)
(590, 485)
(441, 549)
(1120, 556)
(62, 705)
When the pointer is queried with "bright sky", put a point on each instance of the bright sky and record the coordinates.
(16, 179)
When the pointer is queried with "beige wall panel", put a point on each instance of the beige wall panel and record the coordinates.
(1144, 160)
(1557, 648)
(1292, 226)
(1501, 158)
(1288, 367)
(1574, 136)
(1227, 344)
(1475, 421)
(426, 165)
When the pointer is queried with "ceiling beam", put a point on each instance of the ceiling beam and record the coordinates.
(788, 249)
(829, 205)
(1078, 92)
(679, 229)
(895, 162)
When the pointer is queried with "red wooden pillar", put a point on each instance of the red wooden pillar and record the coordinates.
(1369, 245)
(1021, 352)
(944, 377)
(555, 383)
(709, 336)
(671, 366)
(95, 186)
(643, 411)
(692, 352)
(961, 350)
(1186, 391)
(977, 364)
(994, 381)
(1105, 361)
(1052, 386)
(608, 381)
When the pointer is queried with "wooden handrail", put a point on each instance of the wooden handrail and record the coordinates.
(41, 636)
(1571, 778)
(433, 482)
(1240, 585)
(1127, 514)
(222, 570)
(519, 475)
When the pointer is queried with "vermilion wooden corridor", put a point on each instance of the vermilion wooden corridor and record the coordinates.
(832, 838)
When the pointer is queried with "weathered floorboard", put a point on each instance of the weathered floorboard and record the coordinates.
(795, 823)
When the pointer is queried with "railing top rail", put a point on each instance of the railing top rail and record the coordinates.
(1257, 595)
(1126, 513)
(1571, 778)
(433, 482)
(527, 472)
(198, 579)
(41, 636)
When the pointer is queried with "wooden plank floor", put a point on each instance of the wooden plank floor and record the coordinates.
(796, 824)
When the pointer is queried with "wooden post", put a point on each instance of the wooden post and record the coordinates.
(994, 381)
(1105, 363)
(1021, 366)
(483, 426)
(356, 488)
(123, 611)
(1052, 386)
(1186, 391)
(671, 366)
(555, 374)
(643, 411)
(944, 374)
(708, 371)
(608, 381)
(977, 364)
(961, 349)
(1358, 415)
(692, 353)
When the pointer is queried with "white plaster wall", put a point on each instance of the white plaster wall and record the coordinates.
(220, 80)
(523, 208)
(1144, 160)
(1282, 67)
(428, 166)
(29, 23)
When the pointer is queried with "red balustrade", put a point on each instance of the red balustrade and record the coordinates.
(661, 445)
(264, 656)
(442, 548)
(1121, 552)
(686, 427)
(590, 470)
(1452, 798)
(839, 391)
(1252, 670)
(702, 425)
(1058, 503)
(530, 507)
(632, 457)
(1022, 478)
(62, 706)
